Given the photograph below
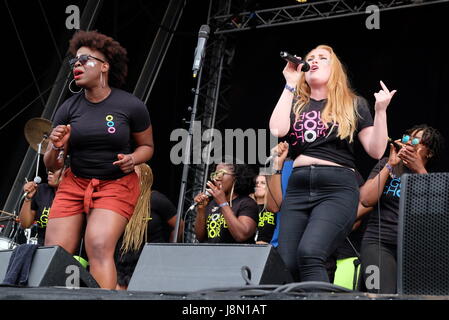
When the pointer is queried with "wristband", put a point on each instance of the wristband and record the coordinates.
(28, 199)
(224, 204)
(56, 148)
(291, 89)
(390, 171)
(277, 172)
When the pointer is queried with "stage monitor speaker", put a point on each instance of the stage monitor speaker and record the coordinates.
(49, 268)
(190, 267)
(423, 234)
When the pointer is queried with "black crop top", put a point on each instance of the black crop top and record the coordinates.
(309, 136)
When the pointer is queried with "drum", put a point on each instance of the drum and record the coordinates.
(6, 243)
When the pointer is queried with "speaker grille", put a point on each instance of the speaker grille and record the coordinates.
(423, 239)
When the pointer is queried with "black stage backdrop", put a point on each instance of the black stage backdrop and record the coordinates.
(408, 53)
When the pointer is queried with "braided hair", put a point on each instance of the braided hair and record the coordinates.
(432, 139)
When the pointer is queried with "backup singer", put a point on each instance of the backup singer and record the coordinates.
(421, 148)
(320, 116)
(37, 203)
(267, 219)
(231, 216)
(96, 127)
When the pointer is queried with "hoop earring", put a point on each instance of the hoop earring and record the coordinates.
(102, 82)
(70, 88)
(232, 193)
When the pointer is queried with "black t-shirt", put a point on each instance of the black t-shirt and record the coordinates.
(41, 203)
(389, 210)
(309, 136)
(100, 131)
(162, 210)
(217, 228)
(266, 225)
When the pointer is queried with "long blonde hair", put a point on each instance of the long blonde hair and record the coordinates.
(137, 227)
(341, 100)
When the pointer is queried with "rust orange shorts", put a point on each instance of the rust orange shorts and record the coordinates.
(76, 195)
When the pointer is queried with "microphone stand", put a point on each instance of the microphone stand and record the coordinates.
(39, 149)
(185, 169)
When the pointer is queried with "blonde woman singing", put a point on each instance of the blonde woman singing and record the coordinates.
(320, 117)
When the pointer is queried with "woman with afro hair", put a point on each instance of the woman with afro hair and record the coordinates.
(231, 216)
(96, 128)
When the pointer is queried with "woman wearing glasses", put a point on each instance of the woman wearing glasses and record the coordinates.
(320, 116)
(417, 152)
(95, 127)
(231, 216)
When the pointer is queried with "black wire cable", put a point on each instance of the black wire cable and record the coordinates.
(51, 32)
(26, 107)
(378, 216)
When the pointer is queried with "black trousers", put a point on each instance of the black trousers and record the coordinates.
(317, 214)
(372, 251)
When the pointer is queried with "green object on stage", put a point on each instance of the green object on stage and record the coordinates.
(345, 275)
(82, 261)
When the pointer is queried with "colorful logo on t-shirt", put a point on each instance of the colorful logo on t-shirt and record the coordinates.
(308, 127)
(214, 223)
(393, 188)
(110, 123)
(43, 219)
(266, 217)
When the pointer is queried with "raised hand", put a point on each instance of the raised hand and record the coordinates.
(411, 158)
(60, 135)
(31, 188)
(202, 199)
(280, 152)
(125, 162)
(292, 73)
(383, 98)
(393, 159)
(217, 192)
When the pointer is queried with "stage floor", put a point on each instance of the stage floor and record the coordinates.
(242, 294)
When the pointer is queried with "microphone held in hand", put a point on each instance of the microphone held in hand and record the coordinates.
(396, 145)
(290, 58)
(193, 206)
(36, 180)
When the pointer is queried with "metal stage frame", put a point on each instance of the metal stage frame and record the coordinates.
(226, 17)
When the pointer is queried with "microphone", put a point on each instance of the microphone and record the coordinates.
(269, 159)
(288, 57)
(193, 206)
(36, 180)
(396, 145)
(200, 51)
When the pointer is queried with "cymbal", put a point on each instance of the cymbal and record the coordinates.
(37, 130)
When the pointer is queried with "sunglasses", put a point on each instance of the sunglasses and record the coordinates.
(414, 141)
(218, 175)
(83, 60)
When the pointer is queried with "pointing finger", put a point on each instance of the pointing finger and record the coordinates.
(384, 87)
